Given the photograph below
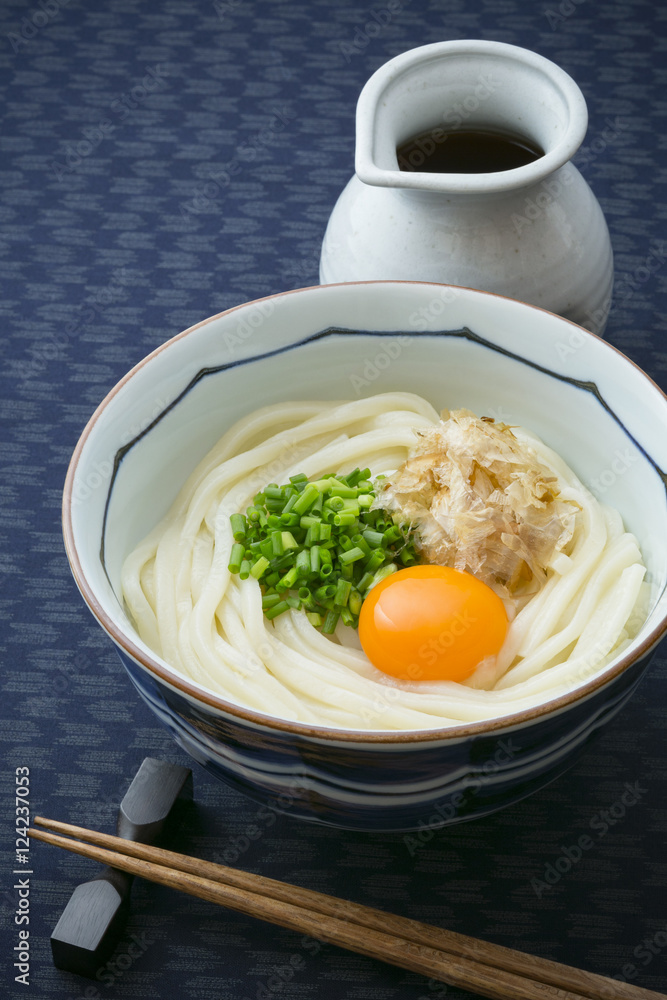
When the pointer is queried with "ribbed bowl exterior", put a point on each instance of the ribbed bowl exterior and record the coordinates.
(417, 786)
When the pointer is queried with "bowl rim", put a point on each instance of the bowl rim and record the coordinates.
(328, 734)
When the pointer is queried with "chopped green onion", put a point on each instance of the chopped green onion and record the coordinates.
(343, 490)
(270, 600)
(308, 520)
(277, 543)
(304, 562)
(288, 540)
(330, 622)
(318, 547)
(236, 557)
(290, 504)
(276, 610)
(325, 557)
(375, 560)
(373, 538)
(239, 527)
(352, 478)
(346, 616)
(335, 503)
(312, 534)
(384, 572)
(344, 518)
(260, 567)
(342, 594)
(306, 499)
(288, 580)
(352, 555)
(354, 602)
(359, 540)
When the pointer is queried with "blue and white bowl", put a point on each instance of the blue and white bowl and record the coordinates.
(458, 348)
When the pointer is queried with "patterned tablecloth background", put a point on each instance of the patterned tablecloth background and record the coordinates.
(115, 118)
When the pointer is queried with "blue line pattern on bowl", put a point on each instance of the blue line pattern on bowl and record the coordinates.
(464, 333)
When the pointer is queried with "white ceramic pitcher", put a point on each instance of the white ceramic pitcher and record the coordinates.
(535, 232)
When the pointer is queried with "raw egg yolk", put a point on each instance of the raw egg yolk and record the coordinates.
(430, 623)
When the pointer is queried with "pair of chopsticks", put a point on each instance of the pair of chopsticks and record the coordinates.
(488, 969)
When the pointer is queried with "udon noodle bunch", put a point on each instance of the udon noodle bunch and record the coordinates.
(208, 624)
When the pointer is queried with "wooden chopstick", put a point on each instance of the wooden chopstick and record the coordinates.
(498, 985)
(491, 970)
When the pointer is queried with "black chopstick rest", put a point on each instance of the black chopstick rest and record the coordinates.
(93, 920)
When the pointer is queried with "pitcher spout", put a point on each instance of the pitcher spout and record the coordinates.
(463, 176)
(438, 90)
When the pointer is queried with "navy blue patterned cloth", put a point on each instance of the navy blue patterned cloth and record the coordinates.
(160, 163)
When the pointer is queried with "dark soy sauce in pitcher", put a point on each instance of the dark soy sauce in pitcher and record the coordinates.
(466, 151)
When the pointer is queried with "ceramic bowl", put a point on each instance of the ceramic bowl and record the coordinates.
(457, 347)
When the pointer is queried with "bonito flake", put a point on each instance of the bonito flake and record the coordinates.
(481, 502)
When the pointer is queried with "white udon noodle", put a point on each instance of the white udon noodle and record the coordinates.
(208, 624)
